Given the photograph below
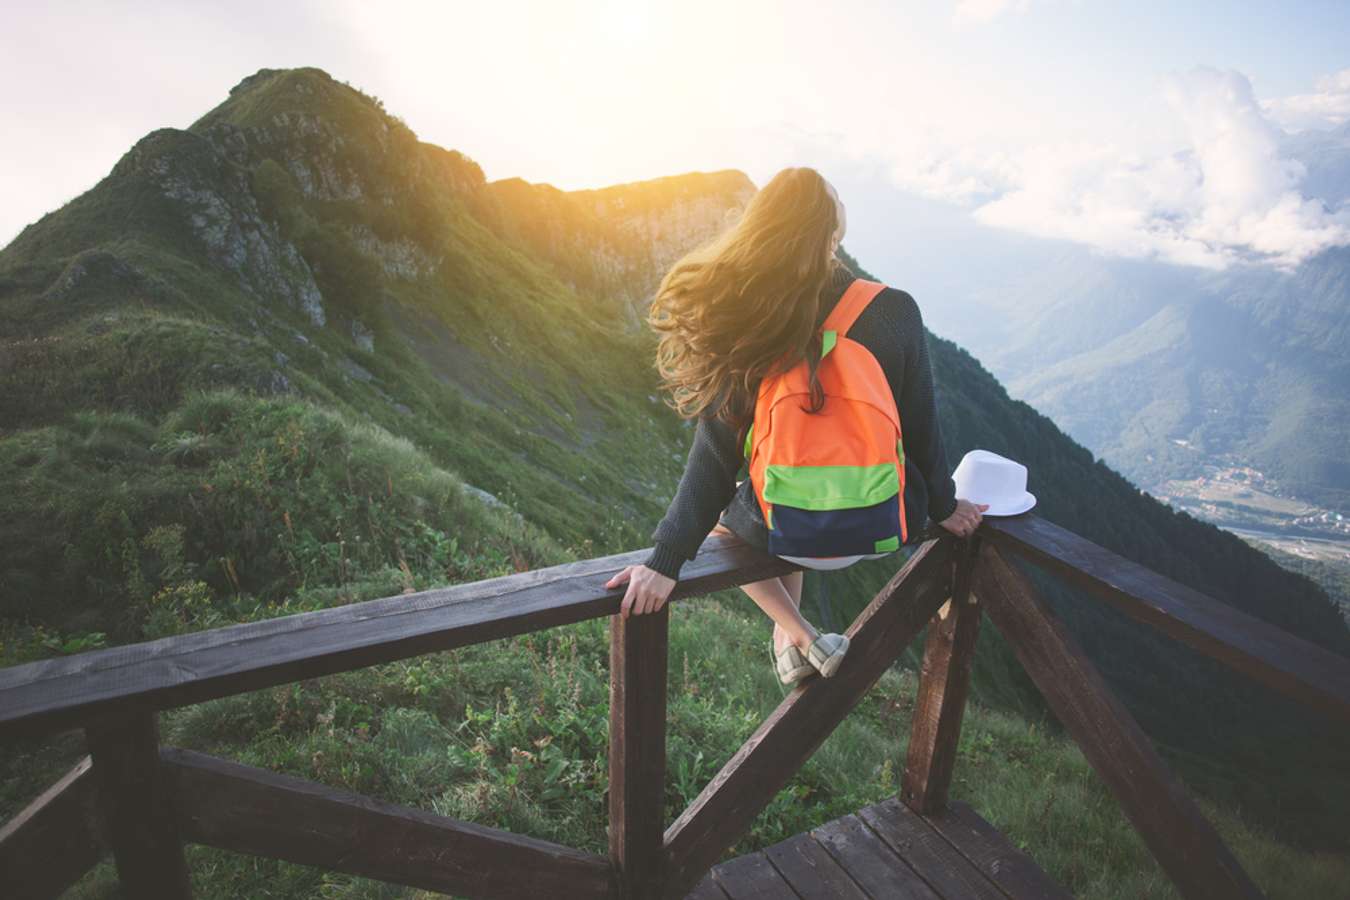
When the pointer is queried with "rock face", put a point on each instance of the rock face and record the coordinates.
(339, 149)
(399, 258)
(619, 241)
(668, 217)
(202, 183)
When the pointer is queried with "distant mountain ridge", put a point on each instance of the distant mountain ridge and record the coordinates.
(299, 243)
(1160, 369)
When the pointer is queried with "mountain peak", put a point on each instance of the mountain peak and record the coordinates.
(305, 98)
(259, 79)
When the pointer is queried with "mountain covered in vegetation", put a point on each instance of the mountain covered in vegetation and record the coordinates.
(1163, 370)
(293, 356)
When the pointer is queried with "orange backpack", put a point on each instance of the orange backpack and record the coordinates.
(831, 483)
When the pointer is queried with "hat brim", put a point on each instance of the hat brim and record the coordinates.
(1012, 507)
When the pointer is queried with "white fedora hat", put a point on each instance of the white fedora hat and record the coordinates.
(985, 477)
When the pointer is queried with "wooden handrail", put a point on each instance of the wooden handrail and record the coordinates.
(1298, 668)
(56, 694)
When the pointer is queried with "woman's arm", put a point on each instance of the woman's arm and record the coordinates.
(920, 431)
(706, 487)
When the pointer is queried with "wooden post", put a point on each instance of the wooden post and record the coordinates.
(944, 684)
(637, 750)
(1171, 825)
(137, 811)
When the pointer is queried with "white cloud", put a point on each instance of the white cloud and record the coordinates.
(1326, 107)
(982, 12)
(1227, 196)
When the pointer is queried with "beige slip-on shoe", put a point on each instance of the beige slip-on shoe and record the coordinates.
(826, 653)
(790, 665)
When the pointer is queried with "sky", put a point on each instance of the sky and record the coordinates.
(1145, 129)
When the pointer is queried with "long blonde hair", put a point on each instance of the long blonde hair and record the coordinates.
(746, 305)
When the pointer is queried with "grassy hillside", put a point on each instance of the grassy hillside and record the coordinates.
(294, 357)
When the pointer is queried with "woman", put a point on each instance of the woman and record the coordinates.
(728, 314)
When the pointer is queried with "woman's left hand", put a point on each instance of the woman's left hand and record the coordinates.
(647, 590)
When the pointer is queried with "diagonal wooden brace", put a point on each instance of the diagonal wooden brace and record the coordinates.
(1182, 841)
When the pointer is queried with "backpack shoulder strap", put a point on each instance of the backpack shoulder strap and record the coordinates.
(851, 304)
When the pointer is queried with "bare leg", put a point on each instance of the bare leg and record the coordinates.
(793, 583)
(779, 598)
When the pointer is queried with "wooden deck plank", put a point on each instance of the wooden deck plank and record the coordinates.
(812, 872)
(994, 855)
(871, 863)
(887, 851)
(707, 889)
(912, 838)
(752, 877)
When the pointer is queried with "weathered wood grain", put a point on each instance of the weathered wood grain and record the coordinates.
(944, 684)
(707, 889)
(990, 852)
(872, 864)
(637, 750)
(1298, 668)
(54, 840)
(787, 738)
(812, 872)
(55, 694)
(752, 877)
(235, 807)
(930, 855)
(1158, 807)
(887, 850)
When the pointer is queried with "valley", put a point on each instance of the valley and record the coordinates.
(1298, 535)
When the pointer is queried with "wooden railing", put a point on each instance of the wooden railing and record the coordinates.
(142, 801)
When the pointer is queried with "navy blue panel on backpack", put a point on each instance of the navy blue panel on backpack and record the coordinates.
(838, 532)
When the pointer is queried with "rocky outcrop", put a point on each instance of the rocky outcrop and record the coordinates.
(203, 185)
(399, 258)
(619, 241)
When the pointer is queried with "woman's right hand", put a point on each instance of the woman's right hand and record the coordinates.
(965, 519)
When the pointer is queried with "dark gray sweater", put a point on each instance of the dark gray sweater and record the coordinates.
(892, 329)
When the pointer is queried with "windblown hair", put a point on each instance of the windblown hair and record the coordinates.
(745, 306)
